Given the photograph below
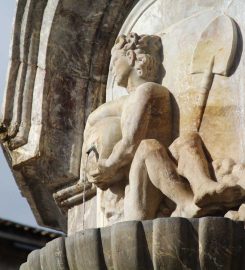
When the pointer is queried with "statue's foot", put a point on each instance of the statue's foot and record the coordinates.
(225, 194)
(234, 215)
(237, 215)
(191, 210)
(223, 167)
(239, 173)
(182, 211)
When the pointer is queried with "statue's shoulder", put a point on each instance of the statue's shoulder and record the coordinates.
(121, 99)
(113, 103)
(152, 89)
(108, 109)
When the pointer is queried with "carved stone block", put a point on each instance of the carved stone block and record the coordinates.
(166, 243)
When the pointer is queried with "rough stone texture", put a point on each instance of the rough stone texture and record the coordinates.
(183, 28)
(181, 25)
(87, 219)
(127, 140)
(166, 243)
(57, 75)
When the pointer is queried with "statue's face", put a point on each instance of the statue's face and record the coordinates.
(121, 68)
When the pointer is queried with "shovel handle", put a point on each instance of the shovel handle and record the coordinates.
(203, 97)
(206, 84)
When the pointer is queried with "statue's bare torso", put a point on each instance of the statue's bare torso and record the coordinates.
(154, 119)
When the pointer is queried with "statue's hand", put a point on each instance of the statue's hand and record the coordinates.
(102, 176)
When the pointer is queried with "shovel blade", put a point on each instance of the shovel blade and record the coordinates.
(218, 42)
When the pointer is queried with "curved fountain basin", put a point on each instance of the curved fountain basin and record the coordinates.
(164, 243)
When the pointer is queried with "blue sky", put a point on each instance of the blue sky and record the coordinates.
(12, 205)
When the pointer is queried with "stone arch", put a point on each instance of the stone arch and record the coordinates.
(67, 52)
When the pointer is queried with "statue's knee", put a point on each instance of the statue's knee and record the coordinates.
(148, 146)
(190, 140)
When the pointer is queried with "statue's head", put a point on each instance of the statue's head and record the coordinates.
(141, 53)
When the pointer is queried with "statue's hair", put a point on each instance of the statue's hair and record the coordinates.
(144, 52)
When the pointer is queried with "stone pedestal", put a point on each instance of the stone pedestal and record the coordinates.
(164, 243)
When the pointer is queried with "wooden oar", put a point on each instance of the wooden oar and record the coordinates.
(214, 54)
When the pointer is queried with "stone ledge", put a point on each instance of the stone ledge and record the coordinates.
(164, 243)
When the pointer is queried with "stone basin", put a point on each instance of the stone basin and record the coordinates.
(163, 243)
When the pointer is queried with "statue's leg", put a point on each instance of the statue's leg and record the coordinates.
(152, 173)
(142, 198)
(193, 165)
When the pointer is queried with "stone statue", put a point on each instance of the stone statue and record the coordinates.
(127, 141)
(160, 134)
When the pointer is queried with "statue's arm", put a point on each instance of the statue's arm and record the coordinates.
(134, 123)
(108, 109)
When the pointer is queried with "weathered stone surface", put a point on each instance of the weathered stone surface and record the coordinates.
(33, 261)
(129, 146)
(166, 243)
(181, 26)
(187, 30)
(161, 145)
(88, 218)
(84, 250)
(57, 74)
(58, 258)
